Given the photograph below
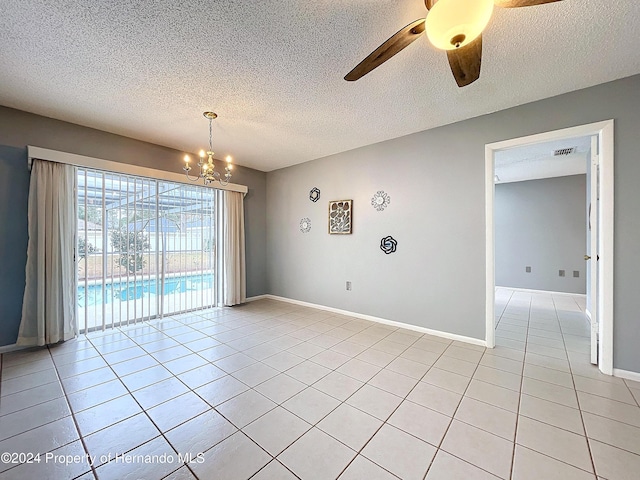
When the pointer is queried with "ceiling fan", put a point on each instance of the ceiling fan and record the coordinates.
(452, 25)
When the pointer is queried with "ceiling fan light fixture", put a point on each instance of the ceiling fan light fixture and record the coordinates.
(452, 24)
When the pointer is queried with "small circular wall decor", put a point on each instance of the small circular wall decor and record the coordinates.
(388, 244)
(314, 194)
(380, 200)
(305, 225)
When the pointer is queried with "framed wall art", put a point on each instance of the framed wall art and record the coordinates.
(340, 217)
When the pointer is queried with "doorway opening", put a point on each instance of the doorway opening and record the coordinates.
(599, 288)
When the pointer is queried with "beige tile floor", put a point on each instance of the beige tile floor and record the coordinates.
(271, 390)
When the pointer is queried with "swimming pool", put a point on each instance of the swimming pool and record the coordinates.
(92, 294)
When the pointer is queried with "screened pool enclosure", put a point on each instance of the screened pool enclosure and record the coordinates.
(145, 248)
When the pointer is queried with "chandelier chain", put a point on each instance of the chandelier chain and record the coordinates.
(210, 136)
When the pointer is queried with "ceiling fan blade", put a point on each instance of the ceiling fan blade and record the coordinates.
(387, 50)
(521, 3)
(465, 62)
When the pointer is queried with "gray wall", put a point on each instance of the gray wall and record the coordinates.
(433, 216)
(541, 224)
(14, 192)
(436, 180)
(19, 129)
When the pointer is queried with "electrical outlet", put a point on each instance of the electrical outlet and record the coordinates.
(576, 274)
(349, 286)
(561, 273)
(528, 269)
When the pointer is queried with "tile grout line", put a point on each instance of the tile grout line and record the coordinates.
(584, 427)
(57, 379)
(24, 375)
(544, 454)
(637, 400)
(162, 434)
(462, 396)
(339, 400)
(524, 363)
(311, 386)
(257, 361)
(345, 339)
(384, 422)
(273, 459)
(580, 410)
(102, 356)
(299, 326)
(72, 415)
(30, 406)
(239, 430)
(204, 400)
(144, 410)
(496, 323)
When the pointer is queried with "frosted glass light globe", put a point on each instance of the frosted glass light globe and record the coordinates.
(452, 24)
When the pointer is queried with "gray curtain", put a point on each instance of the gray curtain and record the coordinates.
(48, 309)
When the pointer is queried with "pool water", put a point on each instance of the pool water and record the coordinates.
(123, 290)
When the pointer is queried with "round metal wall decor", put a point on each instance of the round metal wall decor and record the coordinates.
(305, 225)
(314, 194)
(388, 244)
(380, 200)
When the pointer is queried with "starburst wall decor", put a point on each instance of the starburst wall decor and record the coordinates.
(305, 225)
(380, 200)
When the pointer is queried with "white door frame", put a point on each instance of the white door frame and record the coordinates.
(594, 232)
(604, 130)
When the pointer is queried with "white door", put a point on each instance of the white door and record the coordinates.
(592, 256)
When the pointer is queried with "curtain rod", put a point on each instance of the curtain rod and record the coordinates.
(40, 153)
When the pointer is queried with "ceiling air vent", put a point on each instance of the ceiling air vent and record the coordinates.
(564, 151)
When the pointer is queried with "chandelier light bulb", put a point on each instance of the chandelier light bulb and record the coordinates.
(452, 24)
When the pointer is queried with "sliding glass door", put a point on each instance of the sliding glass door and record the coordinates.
(146, 248)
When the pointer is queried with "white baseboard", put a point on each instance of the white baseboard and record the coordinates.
(257, 297)
(529, 290)
(11, 348)
(629, 375)
(393, 323)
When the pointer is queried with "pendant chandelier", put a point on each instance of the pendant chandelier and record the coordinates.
(207, 168)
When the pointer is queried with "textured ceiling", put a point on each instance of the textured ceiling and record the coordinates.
(273, 69)
(538, 161)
